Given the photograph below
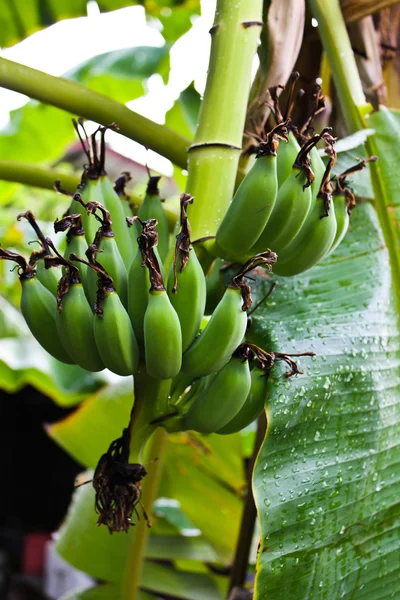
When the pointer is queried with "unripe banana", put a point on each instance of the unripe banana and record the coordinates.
(75, 328)
(226, 328)
(342, 220)
(75, 318)
(186, 281)
(162, 336)
(292, 204)
(345, 201)
(76, 244)
(39, 309)
(138, 293)
(254, 199)
(315, 237)
(47, 277)
(253, 406)
(287, 154)
(113, 204)
(152, 209)
(114, 335)
(214, 285)
(110, 258)
(89, 191)
(108, 254)
(318, 166)
(222, 399)
(119, 188)
(161, 328)
(180, 404)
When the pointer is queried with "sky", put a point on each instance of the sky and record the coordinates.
(75, 40)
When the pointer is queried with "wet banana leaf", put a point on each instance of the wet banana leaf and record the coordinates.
(326, 479)
(385, 143)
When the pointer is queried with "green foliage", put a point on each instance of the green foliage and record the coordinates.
(326, 476)
(19, 20)
(122, 74)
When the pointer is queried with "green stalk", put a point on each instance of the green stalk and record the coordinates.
(44, 178)
(150, 399)
(137, 546)
(150, 394)
(79, 100)
(214, 155)
(336, 43)
(36, 176)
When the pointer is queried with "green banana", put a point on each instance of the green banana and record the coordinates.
(113, 204)
(109, 256)
(181, 403)
(214, 285)
(119, 188)
(152, 209)
(161, 327)
(91, 192)
(253, 406)
(39, 308)
(317, 234)
(76, 244)
(227, 326)
(139, 282)
(342, 221)
(345, 201)
(47, 277)
(186, 281)
(292, 204)
(254, 199)
(222, 399)
(115, 338)
(287, 154)
(75, 320)
(162, 336)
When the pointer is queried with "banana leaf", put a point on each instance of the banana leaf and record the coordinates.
(326, 479)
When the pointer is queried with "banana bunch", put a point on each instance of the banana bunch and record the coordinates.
(229, 400)
(113, 301)
(285, 200)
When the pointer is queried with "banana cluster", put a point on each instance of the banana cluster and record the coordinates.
(288, 201)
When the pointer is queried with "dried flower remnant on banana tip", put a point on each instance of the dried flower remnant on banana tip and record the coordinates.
(117, 487)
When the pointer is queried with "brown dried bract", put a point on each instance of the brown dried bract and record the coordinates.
(265, 360)
(265, 259)
(117, 487)
(146, 241)
(182, 246)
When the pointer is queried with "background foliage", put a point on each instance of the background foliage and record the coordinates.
(327, 475)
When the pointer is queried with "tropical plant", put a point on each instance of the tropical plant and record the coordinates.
(321, 470)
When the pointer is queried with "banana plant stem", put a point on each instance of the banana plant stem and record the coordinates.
(80, 101)
(241, 560)
(36, 176)
(45, 178)
(335, 39)
(137, 547)
(150, 396)
(214, 155)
